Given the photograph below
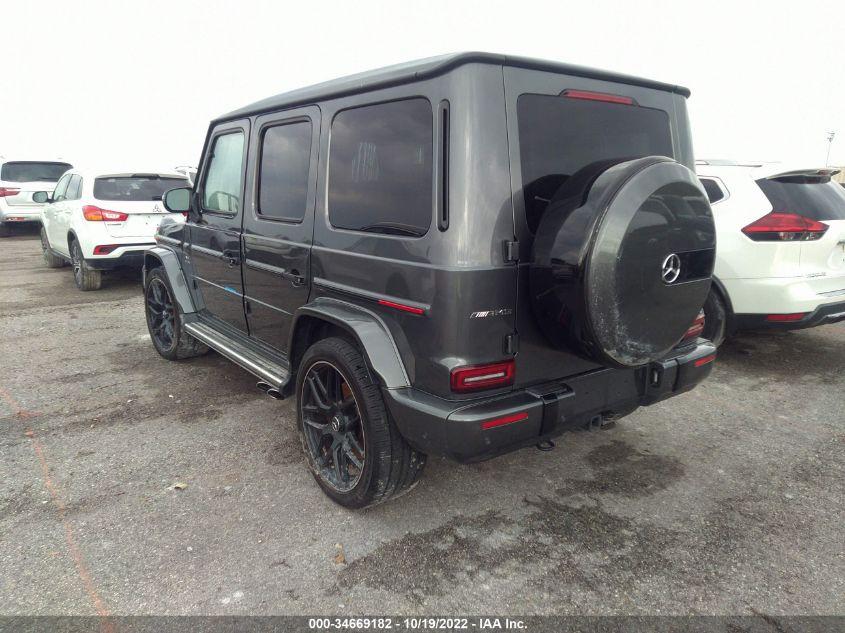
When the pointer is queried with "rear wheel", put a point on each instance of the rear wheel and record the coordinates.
(353, 448)
(85, 277)
(51, 259)
(715, 318)
(164, 320)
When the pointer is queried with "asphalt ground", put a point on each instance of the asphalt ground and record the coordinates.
(725, 500)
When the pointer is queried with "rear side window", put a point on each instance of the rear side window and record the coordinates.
(283, 176)
(814, 198)
(134, 188)
(380, 168)
(222, 189)
(559, 135)
(714, 191)
(30, 171)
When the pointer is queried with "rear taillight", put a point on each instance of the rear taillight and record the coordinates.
(784, 227)
(476, 377)
(96, 214)
(8, 191)
(105, 249)
(696, 328)
(597, 96)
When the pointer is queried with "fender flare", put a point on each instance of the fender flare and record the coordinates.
(369, 330)
(167, 258)
(724, 292)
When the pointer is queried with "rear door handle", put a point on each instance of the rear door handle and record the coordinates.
(294, 277)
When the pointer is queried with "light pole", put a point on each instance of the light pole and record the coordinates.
(830, 137)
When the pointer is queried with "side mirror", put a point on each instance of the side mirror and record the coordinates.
(178, 200)
(41, 197)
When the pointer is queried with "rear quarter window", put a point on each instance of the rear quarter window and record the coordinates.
(814, 198)
(380, 168)
(714, 191)
(135, 188)
(559, 135)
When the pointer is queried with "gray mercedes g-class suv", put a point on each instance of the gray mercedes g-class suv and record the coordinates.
(458, 256)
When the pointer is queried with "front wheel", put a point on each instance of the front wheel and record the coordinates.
(85, 277)
(353, 448)
(50, 258)
(164, 320)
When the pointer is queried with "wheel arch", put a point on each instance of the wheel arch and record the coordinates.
(720, 289)
(325, 316)
(168, 260)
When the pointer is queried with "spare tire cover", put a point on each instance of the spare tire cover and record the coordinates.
(622, 260)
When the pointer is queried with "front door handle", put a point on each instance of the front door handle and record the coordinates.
(232, 258)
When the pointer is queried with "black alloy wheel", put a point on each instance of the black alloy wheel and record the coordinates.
(334, 434)
(160, 314)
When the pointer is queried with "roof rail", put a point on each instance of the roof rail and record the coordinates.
(720, 162)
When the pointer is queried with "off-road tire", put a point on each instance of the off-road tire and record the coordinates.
(183, 344)
(391, 466)
(85, 277)
(715, 318)
(50, 258)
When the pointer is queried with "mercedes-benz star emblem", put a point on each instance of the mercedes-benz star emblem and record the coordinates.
(671, 269)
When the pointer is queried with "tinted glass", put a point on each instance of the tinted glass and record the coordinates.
(380, 170)
(222, 190)
(61, 189)
(74, 188)
(135, 188)
(817, 199)
(560, 135)
(283, 179)
(714, 192)
(25, 171)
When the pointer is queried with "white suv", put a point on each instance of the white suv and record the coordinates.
(19, 179)
(102, 220)
(780, 259)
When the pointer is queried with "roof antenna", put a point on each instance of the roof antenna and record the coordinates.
(830, 136)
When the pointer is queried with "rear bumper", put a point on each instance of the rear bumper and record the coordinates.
(20, 214)
(482, 429)
(823, 314)
(131, 256)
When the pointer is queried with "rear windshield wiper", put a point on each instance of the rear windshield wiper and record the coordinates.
(393, 228)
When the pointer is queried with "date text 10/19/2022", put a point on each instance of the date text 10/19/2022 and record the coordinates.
(417, 624)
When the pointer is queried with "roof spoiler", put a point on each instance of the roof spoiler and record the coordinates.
(826, 172)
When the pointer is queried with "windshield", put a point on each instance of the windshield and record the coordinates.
(815, 198)
(559, 135)
(135, 188)
(31, 171)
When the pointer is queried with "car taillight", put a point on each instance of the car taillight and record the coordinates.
(696, 328)
(784, 227)
(475, 377)
(96, 214)
(8, 191)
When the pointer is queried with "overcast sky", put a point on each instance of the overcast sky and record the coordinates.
(135, 83)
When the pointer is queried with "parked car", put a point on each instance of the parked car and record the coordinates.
(102, 220)
(460, 256)
(781, 256)
(19, 179)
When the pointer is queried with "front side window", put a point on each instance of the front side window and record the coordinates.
(32, 171)
(283, 175)
(61, 188)
(223, 181)
(559, 135)
(380, 168)
(135, 188)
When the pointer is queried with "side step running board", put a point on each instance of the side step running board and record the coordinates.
(246, 356)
